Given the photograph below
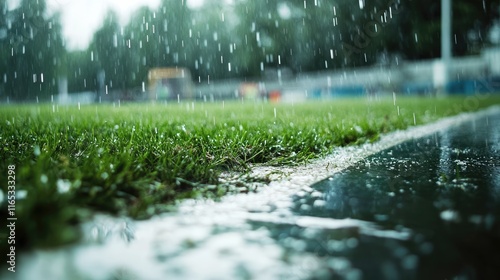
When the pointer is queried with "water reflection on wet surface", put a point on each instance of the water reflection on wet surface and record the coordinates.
(433, 204)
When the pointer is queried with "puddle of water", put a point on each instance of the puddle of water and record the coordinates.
(442, 190)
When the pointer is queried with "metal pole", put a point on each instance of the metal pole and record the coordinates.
(446, 53)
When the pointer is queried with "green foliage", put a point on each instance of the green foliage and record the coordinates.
(221, 41)
(137, 160)
(31, 51)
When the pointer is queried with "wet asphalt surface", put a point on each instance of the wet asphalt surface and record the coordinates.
(436, 199)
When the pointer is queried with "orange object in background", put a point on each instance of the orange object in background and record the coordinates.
(275, 96)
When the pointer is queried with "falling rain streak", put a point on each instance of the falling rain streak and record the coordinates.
(361, 4)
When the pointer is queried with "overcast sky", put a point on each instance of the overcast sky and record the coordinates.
(81, 18)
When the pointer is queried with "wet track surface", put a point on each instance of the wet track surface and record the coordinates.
(436, 199)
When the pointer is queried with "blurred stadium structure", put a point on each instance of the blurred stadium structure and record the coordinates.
(467, 75)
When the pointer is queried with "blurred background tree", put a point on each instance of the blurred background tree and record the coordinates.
(32, 51)
(216, 49)
(238, 40)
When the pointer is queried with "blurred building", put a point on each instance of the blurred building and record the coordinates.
(170, 84)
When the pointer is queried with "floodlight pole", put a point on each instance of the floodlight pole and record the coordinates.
(446, 54)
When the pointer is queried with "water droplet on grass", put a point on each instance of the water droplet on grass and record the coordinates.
(21, 194)
(36, 150)
(319, 203)
(63, 186)
(450, 216)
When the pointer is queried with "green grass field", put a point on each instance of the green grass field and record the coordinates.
(137, 159)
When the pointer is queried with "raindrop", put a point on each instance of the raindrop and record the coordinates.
(352, 242)
(36, 150)
(416, 38)
(229, 66)
(361, 4)
(63, 186)
(44, 179)
(450, 216)
(284, 11)
(410, 262)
